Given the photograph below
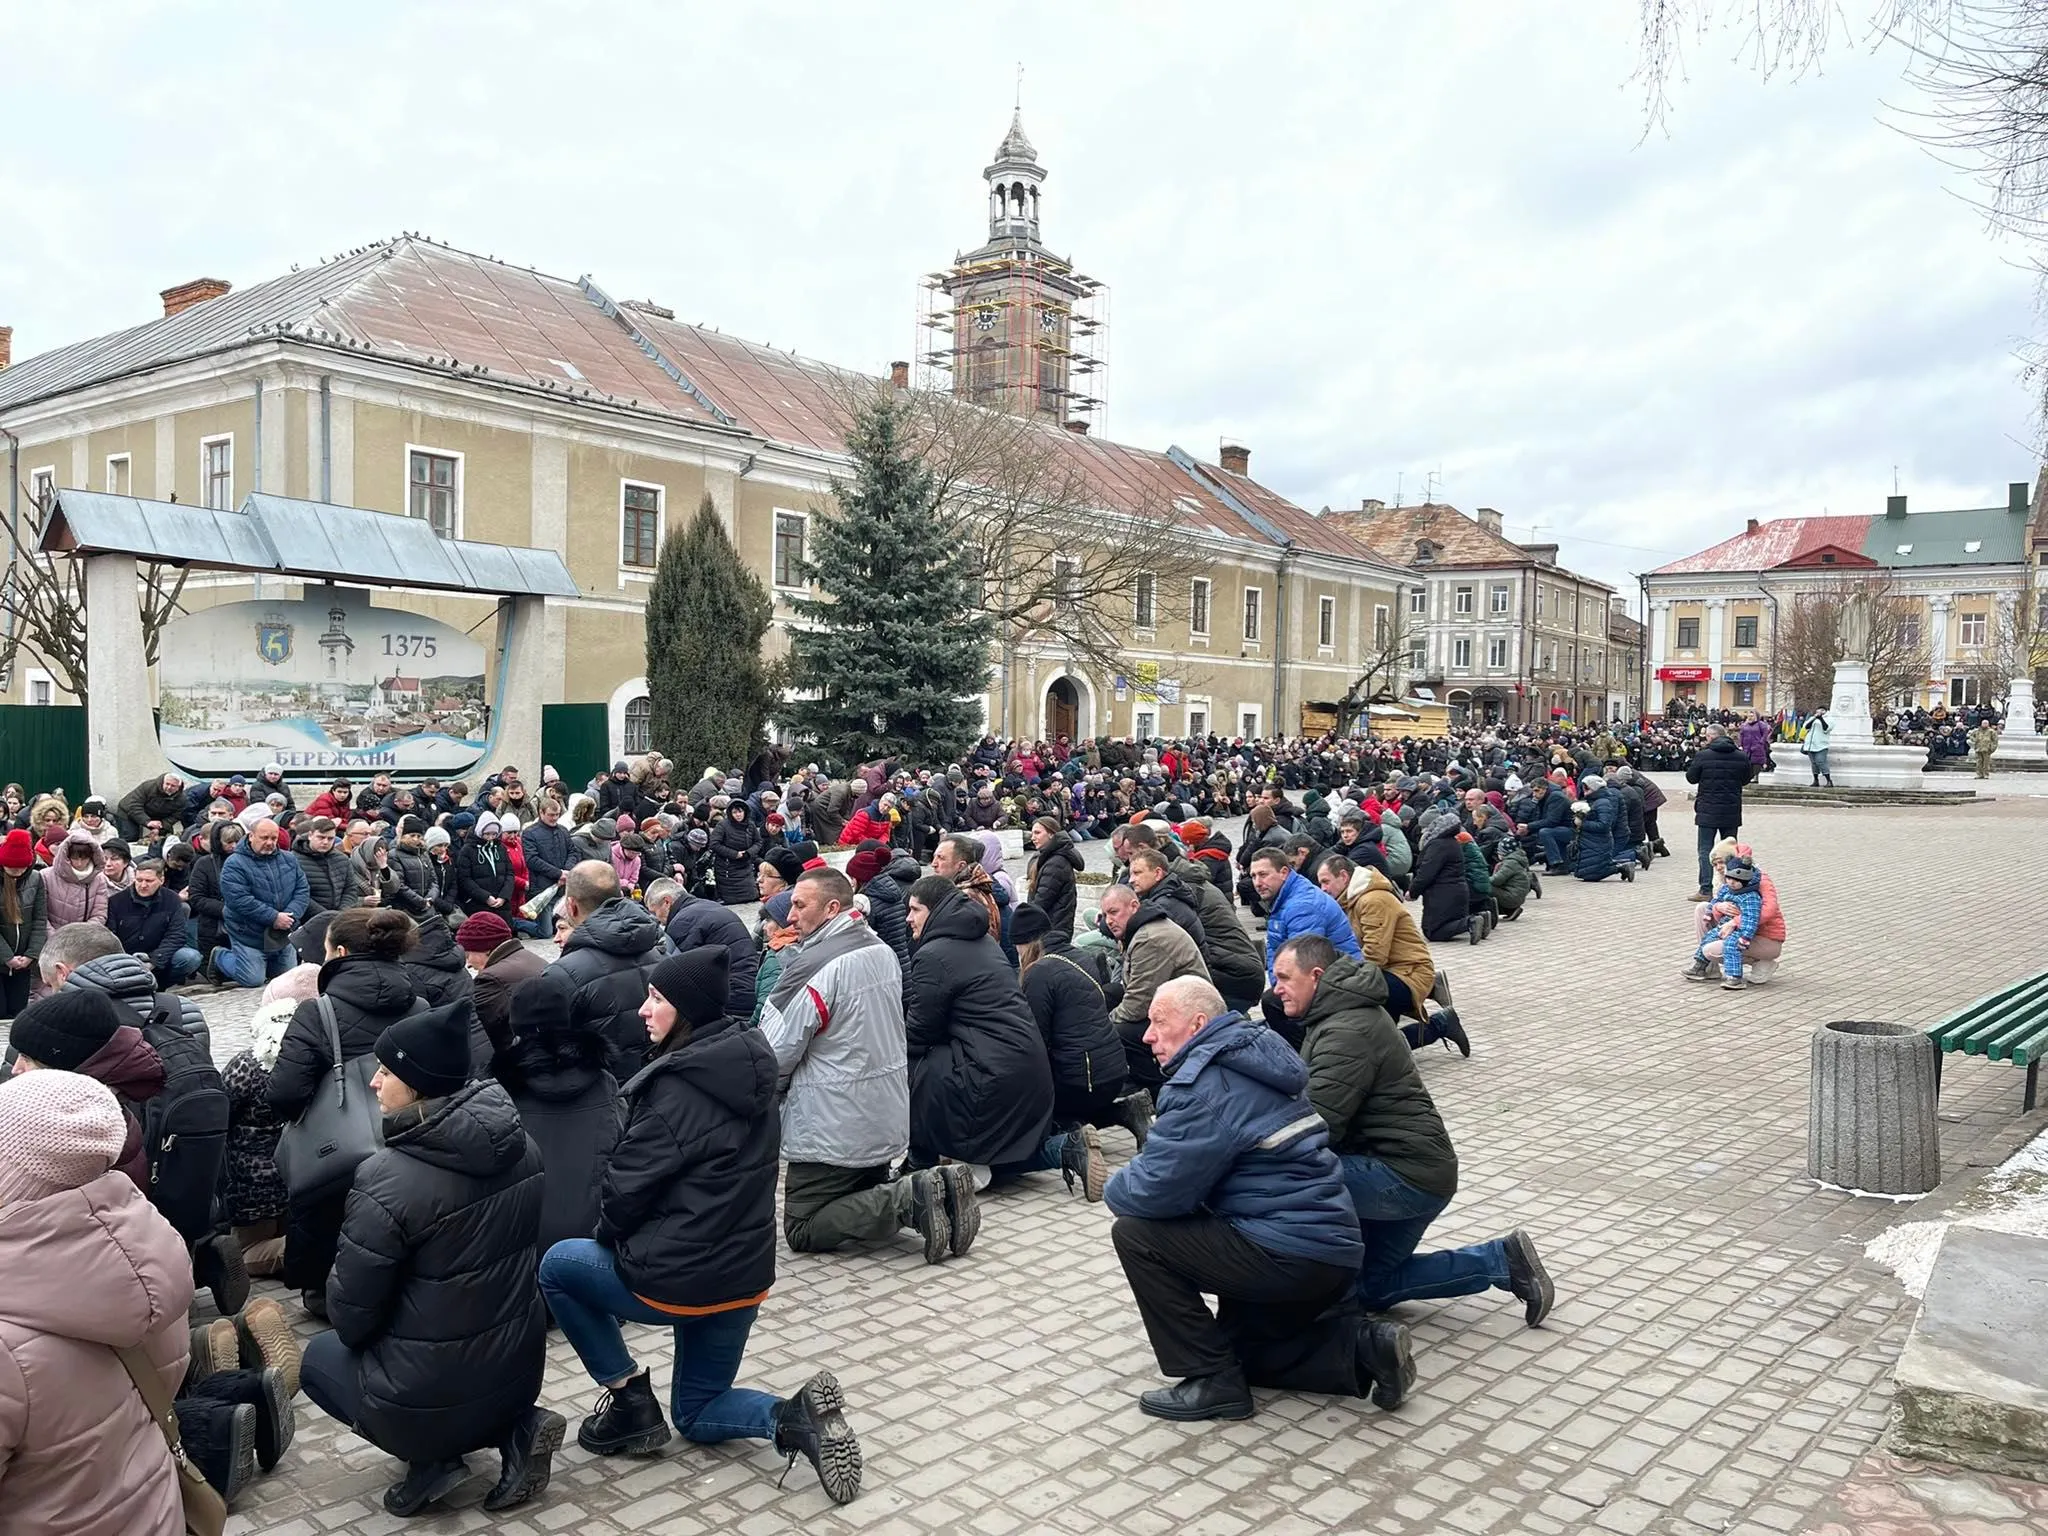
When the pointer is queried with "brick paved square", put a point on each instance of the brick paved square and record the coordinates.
(1719, 1358)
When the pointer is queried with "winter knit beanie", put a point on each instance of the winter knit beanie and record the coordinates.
(437, 837)
(57, 1131)
(429, 1052)
(694, 982)
(481, 934)
(1028, 923)
(784, 862)
(66, 1029)
(868, 861)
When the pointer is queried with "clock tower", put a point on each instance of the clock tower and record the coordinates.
(1013, 325)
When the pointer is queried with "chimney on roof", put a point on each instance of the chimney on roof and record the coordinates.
(1752, 526)
(899, 375)
(648, 307)
(1371, 504)
(1078, 428)
(181, 298)
(1895, 506)
(2015, 491)
(6, 345)
(1235, 459)
(1489, 520)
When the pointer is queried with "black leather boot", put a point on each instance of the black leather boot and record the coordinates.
(424, 1483)
(1386, 1365)
(628, 1422)
(528, 1458)
(813, 1425)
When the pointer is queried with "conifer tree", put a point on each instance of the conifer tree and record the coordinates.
(708, 688)
(894, 654)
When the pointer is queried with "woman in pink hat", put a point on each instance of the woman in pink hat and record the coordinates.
(24, 920)
(91, 1269)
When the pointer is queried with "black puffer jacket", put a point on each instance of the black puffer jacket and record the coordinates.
(688, 1202)
(1440, 882)
(1172, 896)
(980, 1084)
(483, 869)
(434, 1278)
(418, 884)
(202, 890)
(330, 879)
(606, 963)
(568, 1102)
(889, 905)
(1051, 880)
(735, 855)
(369, 995)
(1081, 1045)
(1720, 769)
(693, 921)
(439, 974)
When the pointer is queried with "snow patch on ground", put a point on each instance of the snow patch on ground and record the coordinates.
(2012, 1198)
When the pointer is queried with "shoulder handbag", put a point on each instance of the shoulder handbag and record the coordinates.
(206, 1512)
(318, 1153)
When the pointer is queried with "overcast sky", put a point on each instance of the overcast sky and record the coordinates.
(1371, 241)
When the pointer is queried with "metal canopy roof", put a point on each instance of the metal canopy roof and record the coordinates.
(302, 538)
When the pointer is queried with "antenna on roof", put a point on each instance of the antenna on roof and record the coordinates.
(1400, 484)
(1020, 85)
(1432, 483)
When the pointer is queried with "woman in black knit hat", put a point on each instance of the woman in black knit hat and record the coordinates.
(439, 1339)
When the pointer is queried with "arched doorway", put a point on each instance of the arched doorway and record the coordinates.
(1062, 709)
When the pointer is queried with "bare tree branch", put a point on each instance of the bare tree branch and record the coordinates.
(1807, 642)
(1380, 665)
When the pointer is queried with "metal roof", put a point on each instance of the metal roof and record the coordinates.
(1917, 539)
(302, 538)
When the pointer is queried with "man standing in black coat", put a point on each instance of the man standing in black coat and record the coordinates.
(1720, 769)
(609, 948)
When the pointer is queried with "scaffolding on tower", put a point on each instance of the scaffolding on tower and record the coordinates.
(1019, 330)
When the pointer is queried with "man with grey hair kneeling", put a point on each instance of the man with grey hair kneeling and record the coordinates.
(1237, 1194)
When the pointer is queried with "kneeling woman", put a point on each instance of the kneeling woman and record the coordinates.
(439, 1339)
(686, 1240)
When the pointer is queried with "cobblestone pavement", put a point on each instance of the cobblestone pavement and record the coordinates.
(1718, 1360)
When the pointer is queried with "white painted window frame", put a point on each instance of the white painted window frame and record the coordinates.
(127, 461)
(1256, 713)
(213, 440)
(1326, 624)
(775, 516)
(35, 476)
(1208, 588)
(1252, 613)
(641, 572)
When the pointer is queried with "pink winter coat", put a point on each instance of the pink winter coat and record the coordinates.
(89, 1270)
(71, 900)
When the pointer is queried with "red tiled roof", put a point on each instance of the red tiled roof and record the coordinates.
(1782, 541)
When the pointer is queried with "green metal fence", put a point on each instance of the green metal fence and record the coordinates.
(575, 739)
(42, 747)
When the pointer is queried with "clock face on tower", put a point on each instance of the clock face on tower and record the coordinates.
(1048, 320)
(985, 318)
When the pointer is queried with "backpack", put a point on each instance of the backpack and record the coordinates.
(185, 1127)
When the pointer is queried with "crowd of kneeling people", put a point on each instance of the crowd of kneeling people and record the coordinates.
(599, 1140)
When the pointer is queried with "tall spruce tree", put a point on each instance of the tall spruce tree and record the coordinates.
(708, 688)
(895, 651)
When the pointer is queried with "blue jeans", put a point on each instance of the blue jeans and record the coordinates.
(584, 1291)
(1392, 1215)
(1708, 837)
(1557, 845)
(182, 965)
(250, 965)
(1048, 1157)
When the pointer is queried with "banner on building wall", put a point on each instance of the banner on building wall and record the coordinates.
(324, 684)
(1685, 674)
(1145, 681)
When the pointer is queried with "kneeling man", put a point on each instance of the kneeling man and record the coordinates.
(1237, 1194)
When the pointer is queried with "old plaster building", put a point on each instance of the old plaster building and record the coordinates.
(1965, 576)
(505, 405)
(1499, 631)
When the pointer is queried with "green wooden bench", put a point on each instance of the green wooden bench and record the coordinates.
(2010, 1024)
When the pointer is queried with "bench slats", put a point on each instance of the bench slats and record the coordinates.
(2010, 1024)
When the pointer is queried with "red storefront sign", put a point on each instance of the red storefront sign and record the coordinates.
(1685, 674)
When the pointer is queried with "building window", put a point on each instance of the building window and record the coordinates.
(1745, 632)
(1198, 722)
(41, 690)
(1198, 606)
(1254, 599)
(1143, 600)
(434, 482)
(1976, 629)
(1964, 691)
(117, 474)
(1326, 622)
(1381, 626)
(791, 528)
(217, 473)
(1539, 599)
(1499, 600)
(1461, 653)
(1418, 600)
(1462, 600)
(639, 726)
(1248, 721)
(1909, 631)
(1571, 660)
(1145, 724)
(42, 494)
(1688, 634)
(1745, 694)
(639, 524)
(1496, 654)
(1418, 655)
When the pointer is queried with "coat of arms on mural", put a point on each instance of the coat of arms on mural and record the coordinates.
(274, 643)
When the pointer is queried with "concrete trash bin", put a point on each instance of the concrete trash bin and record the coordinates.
(1870, 1121)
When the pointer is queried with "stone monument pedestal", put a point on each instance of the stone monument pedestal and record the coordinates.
(1855, 760)
(2019, 742)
